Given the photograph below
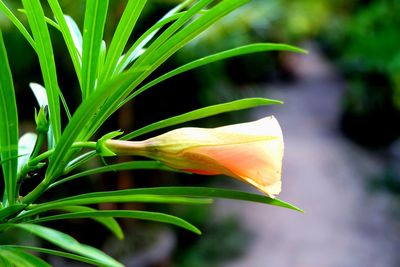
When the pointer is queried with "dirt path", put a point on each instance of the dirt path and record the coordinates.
(344, 224)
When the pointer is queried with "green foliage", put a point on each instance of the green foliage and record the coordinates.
(9, 126)
(108, 79)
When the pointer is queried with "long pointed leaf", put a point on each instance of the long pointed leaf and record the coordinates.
(133, 214)
(110, 197)
(5, 212)
(79, 160)
(68, 36)
(108, 222)
(238, 51)
(203, 113)
(93, 30)
(8, 128)
(68, 243)
(150, 33)
(124, 29)
(45, 54)
(138, 47)
(4, 262)
(131, 165)
(17, 24)
(172, 194)
(60, 254)
(21, 258)
(152, 50)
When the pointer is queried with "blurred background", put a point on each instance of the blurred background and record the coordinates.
(340, 122)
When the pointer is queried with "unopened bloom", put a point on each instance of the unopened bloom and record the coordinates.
(251, 152)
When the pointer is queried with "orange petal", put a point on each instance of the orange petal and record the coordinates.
(257, 163)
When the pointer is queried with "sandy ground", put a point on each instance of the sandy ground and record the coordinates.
(345, 225)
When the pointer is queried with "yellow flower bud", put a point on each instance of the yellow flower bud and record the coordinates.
(251, 152)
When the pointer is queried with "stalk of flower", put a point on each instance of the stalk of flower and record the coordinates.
(251, 152)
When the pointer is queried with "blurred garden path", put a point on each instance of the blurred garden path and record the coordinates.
(324, 174)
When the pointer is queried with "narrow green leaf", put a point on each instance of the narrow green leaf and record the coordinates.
(142, 41)
(195, 195)
(238, 51)
(59, 253)
(5, 212)
(4, 262)
(9, 128)
(69, 31)
(48, 20)
(137, 48)
(124, 29)
(20, 258)
(45, 54)
(109, 197)
(153, 49)
(162, 48)
(17, 24)
(108, 222)
(68, 243)
(133, 214)
(131, 165)
(93, 29)
(79, 160)
(204, 192)
(202, 113)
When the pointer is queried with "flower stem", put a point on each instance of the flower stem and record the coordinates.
(44, 184)
(38, 145)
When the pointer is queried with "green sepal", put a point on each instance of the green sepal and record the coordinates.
(41, 118)
(102, 149)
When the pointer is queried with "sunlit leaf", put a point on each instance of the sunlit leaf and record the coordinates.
(93, 29)
(21, 258)
(59, 254)
(124, 29)
(133, 214)
(146, 37)
(44, 49)
(203, 113)
(119, 196)
(108, 222)
(5, 212)
(8, 128)
(238, 51)
(17, 23)
(131, 165)
(68, 243)
(71, 34)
